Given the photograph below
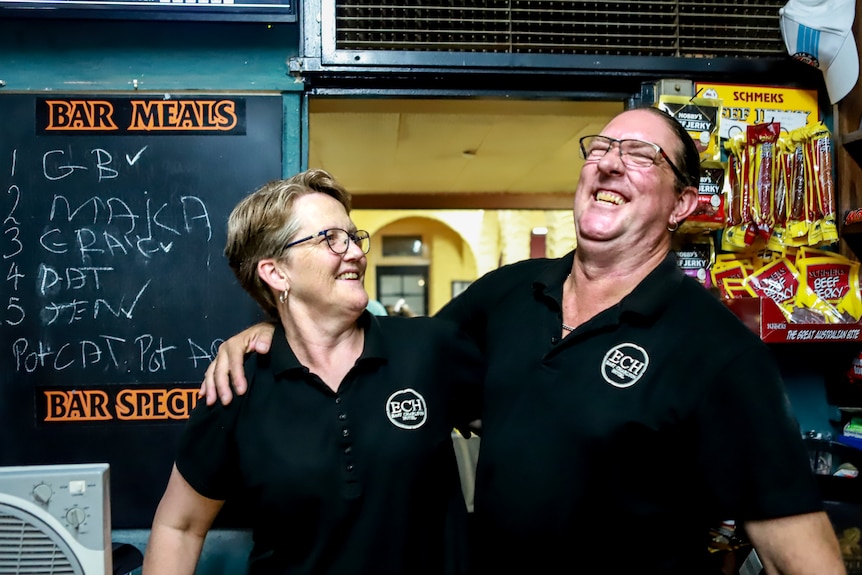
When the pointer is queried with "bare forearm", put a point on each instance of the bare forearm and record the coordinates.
(172, 552)
(797, 545)
(180, 526)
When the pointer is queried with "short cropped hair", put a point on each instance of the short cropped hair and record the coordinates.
(263, 222)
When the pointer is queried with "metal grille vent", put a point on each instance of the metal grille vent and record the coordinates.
(26, 547)
(680, 28)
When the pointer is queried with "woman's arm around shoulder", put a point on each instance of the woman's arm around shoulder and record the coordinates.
(227, 367)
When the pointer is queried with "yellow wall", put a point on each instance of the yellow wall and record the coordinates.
(447, 254)
(462, 245)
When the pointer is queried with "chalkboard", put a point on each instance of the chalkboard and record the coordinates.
(115, 293)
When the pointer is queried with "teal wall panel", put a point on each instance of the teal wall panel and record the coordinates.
(295, 127)
(105, 56)
(46, 54)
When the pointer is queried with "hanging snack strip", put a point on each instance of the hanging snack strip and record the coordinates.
(793, 216)
(751, 174)
(763, 138)
(736, 234)
(818, 158)
(785, 162)
(780, 190)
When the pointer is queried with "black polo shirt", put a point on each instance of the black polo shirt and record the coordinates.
(362, 481)
(623, 442)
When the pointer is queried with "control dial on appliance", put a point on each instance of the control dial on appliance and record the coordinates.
(76, 516)
(42, 493)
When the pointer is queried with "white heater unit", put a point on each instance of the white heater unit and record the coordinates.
(55, 520)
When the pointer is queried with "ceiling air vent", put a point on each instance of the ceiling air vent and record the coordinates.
(736, 29)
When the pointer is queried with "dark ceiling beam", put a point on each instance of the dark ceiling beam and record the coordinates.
(463, 201)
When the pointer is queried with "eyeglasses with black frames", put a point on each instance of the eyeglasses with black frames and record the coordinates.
(339, 240)
(633, 153)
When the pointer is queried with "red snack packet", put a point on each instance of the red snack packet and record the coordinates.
(778, 281)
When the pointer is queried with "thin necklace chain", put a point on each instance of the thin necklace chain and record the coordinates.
(568, 327)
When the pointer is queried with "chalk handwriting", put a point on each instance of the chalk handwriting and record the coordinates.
(54, 166)
(12, 231)
(131, 161)
(74, 310)
(51, 282)
(14, 163)
(146, 353)
(14, 275)
(10, 217)
(190, 210)
(14, 313)
(92, 252)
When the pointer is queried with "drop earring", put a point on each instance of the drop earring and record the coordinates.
(282, 297)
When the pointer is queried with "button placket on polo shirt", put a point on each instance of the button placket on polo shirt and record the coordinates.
(351, 483)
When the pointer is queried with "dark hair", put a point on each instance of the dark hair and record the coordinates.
(688, 161)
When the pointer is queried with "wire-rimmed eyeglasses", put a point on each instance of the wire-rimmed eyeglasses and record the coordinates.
(633, 153)
(339, 240)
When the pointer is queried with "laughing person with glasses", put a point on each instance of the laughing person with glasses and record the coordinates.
(341, 450)
(627, 410)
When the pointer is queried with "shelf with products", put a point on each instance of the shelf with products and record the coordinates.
(852, 142)
(829, 459)
(848, 200)
(763, 317)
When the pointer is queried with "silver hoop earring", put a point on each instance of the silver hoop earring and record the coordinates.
(673, 227)
(282, 297)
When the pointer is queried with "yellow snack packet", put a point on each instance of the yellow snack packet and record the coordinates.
(834, 280)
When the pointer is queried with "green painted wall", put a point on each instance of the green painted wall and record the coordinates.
(44, 54)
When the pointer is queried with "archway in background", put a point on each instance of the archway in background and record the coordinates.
(445, 255)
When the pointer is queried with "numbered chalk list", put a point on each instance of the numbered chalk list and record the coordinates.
(115, 291)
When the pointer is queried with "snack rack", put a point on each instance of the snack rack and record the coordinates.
(763, 317)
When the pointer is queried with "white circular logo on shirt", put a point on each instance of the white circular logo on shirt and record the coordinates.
(624, 365)
(406, 409)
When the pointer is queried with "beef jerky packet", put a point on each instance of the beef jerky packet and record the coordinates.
(710, 211)
(797, 222)
(789, 155)
(809, 209)
(818, 155)
(778, 281)
(728, 274)
(834, 279)
(763, 139)
(695, 256)
(740, 230)
(699, 117)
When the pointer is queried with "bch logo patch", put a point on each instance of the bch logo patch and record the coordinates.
(624, 365)
(406, 409)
